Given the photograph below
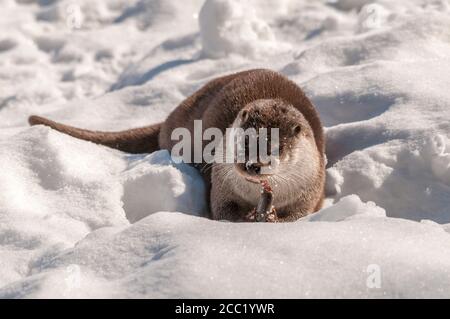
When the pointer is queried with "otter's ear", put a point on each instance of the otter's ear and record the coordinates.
(296, 129)
(244, 115)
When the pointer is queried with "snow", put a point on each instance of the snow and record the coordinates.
(228, 26)
(82, 220)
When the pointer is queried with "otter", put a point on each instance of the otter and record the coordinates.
(257, 98)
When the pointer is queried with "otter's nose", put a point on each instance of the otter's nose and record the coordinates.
(253, 168)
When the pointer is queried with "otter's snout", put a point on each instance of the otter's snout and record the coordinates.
(255, 168)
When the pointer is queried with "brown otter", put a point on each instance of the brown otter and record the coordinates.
(254, 98)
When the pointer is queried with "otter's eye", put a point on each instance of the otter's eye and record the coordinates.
(296, 129)
(244, 116)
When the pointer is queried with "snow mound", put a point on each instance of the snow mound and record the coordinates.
(408, 181)
(155, 183)
(231, 26)
(54, 191)
(53, 183)
(347, 207)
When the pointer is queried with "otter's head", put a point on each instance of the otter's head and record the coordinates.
(292, 173)
(290, 156)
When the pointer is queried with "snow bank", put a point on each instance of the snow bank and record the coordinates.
(55, 190)
(178, 256)
(81, 220)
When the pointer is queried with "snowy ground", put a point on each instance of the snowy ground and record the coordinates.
(81, 220)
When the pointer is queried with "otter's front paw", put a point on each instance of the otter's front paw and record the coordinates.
(250, 217)
(272, 216)
(254, 216)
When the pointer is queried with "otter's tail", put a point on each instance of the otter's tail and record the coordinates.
(138, 140)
